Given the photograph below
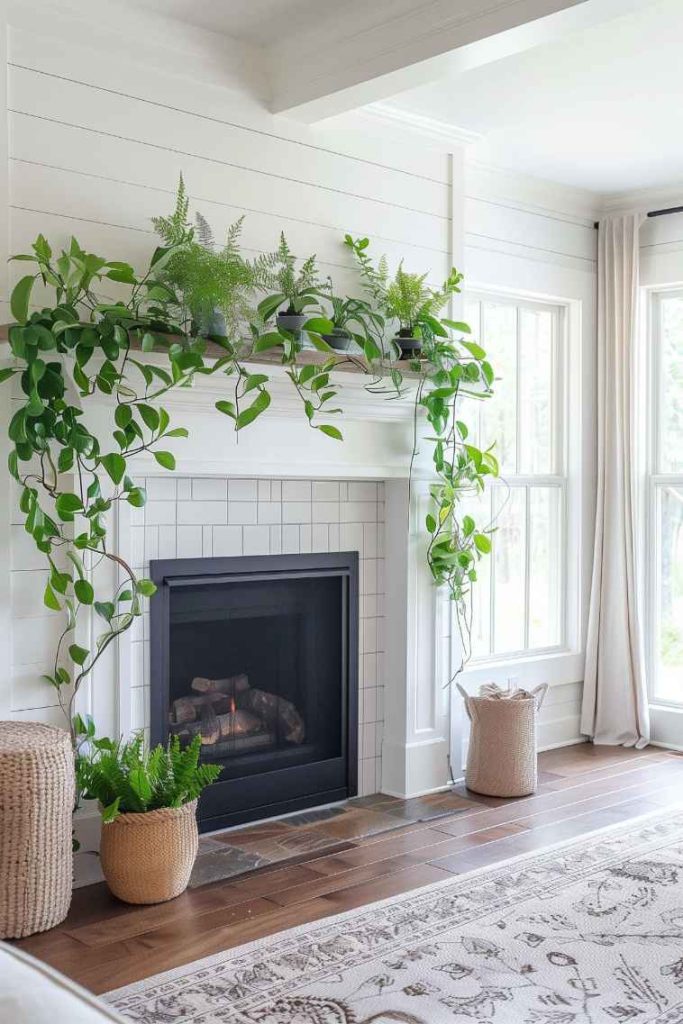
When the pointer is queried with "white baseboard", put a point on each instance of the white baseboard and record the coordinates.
(563, 743)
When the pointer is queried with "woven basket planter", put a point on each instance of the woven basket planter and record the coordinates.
(148, 858)
(36, 805)
(501, 758)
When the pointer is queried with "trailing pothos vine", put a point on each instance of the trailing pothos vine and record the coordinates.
(196, 310)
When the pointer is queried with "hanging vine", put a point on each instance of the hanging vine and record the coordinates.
(84, 346)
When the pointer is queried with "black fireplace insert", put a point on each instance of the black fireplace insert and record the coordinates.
(258, 655)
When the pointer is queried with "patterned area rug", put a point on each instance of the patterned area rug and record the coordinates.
(589, 932)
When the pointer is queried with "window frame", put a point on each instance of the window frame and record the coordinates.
(565, 399)
(655, 482)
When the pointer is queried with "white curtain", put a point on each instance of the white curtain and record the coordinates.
(615, 708)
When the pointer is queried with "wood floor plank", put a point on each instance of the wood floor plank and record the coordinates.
(104, 944)
(341, 880)
(650, 777)
(543, 835)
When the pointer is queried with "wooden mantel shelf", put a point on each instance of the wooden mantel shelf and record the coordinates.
(344, 362)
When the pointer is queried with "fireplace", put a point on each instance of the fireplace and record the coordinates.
(258, 656)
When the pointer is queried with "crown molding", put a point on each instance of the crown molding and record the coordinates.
(644, 199)
(445, 134)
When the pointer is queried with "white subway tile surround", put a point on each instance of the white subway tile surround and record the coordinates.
(198, 516)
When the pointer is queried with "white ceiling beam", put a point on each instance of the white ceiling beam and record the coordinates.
(368, 52)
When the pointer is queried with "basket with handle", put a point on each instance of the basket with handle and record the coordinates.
(501, 758)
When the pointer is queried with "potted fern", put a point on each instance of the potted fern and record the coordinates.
(296, 290)
(148, 799)
(405, 299)
(213, 286)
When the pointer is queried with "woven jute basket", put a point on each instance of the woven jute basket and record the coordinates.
(148, 858)
(36, 805)
(501, 758)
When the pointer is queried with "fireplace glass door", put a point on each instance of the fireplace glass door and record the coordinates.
(256, 663)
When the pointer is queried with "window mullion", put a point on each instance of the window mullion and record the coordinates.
(527, 561)
(492, 585)
(518, 388)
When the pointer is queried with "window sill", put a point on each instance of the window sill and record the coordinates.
(557, 668)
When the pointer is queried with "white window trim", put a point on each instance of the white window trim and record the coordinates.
(565, 663)
(652, 481)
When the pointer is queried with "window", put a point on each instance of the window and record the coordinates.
(518, 603)
(665, 500)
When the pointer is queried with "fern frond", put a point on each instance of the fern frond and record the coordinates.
(204, 232)
(130, 778)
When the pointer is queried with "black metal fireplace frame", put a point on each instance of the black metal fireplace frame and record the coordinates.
(281, 793)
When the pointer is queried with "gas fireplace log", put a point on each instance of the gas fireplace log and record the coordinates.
(185, 731)
(184, 710)
(277, 713)
(209, 726)
(188, 709)
(232, 685)
(239, 723)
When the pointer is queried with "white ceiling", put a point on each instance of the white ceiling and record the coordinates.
(601, 109)
(255, 21)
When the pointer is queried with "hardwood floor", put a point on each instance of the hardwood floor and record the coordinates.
(104, 944)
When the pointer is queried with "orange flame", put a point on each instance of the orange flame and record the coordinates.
(232, 706)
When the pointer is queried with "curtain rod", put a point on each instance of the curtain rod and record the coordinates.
(653, 213)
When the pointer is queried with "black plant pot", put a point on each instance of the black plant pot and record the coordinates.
(291, 321)
(339, 339)
(410, 346)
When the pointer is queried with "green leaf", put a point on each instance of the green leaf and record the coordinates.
(123, 415)
(165, 459)
(468, 525)
(319, 343)
(266, 341)
(137, 497)
(430, 523)
(140, 784)
(84, 591)
(248, 415)
(105, 609)
(50, 599)
(178, 432)
(66, 505)
(482, 543)
(457, 325)
(77, 562)
(331, 431)
(476, 350)
(115, 466)
(111, 811)
(21, 297)
(145, 587)
(254, 380)
(227, 408)
(65, 460)
(78, 654)
(319, 325)
(7, 373)
(149, 415)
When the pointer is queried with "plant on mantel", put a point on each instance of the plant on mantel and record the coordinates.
(83, 348)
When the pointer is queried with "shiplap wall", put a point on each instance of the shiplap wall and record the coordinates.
(96, 145)
(97, 152)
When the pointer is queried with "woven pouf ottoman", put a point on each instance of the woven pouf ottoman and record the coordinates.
(36, 806)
